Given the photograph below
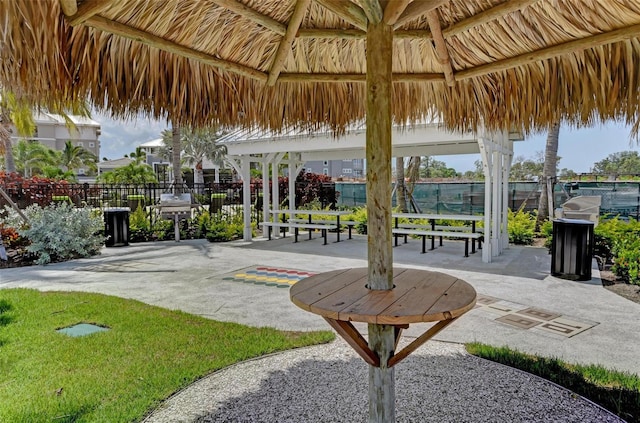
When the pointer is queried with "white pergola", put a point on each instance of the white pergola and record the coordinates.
(429, 139)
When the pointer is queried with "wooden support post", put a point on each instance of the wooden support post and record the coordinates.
(382, 388)
(380, 249)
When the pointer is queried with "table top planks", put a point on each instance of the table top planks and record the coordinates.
(418, 296)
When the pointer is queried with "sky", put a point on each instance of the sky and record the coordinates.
(578, 149)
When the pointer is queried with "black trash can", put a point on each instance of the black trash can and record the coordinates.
(572, 249)
(116, 226)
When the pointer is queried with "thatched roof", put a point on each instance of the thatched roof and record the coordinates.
(276, 62)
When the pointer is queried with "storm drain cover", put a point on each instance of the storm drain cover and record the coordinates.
(82, 329)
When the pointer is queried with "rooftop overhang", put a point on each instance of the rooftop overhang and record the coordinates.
(418, 140)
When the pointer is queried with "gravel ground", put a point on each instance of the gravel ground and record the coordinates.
(438, 383)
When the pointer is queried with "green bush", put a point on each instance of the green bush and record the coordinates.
(546, 231)
(608, 232)
(359, 215)
(521, 227)
(139, 226)
(61, 232)
(222, 226)
(627, 259)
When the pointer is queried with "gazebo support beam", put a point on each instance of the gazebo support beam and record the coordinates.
(285, 44)
(394, 10)
(144, 37)
(380, 255)
(88, 9)
(69, 7)
(347, 10)
(417, 9)
(551, 52)
(252, 15)
(487, 16)
(373, 10)
(441, 47)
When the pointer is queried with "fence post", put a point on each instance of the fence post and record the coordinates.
(638, 204)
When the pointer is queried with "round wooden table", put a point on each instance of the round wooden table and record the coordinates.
(342, 297)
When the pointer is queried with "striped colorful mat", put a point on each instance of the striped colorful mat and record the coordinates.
(268, 276)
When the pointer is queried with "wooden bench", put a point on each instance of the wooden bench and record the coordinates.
(296, 226)
(433, 234)
(348, 223)
(445, 228)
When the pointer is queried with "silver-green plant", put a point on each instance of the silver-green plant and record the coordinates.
(62, 232)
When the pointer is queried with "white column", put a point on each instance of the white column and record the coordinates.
(485, 152)
(495, 203)
(266, 193)
(275, 188)
(292, 187)
(246, 196)
(506, 169)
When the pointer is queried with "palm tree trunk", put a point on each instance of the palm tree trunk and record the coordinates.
(5, 139)
(175, 158)
(401, 199)
(548, 171)
(198, 175)
(413, 173)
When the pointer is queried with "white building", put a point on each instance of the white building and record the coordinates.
(53, 131)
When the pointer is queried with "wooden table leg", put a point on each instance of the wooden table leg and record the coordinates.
(350, 334)
(433, 331)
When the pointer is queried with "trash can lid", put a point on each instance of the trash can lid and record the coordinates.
(574, 221)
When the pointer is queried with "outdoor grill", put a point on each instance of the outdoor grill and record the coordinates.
(175, 204)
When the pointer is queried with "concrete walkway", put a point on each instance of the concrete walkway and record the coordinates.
(519, 304)
(576, 321)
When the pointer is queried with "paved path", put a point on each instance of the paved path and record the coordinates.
(519, 304)
(194, 276)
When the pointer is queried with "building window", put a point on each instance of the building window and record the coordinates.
(92, 144)
(325, 171)
(325, 163)
(80, 144)
(309, 170)
(346, 170)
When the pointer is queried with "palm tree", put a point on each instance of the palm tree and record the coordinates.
(172, 138)
(74, 157)
(548, 171)
(200, 144)
(401, 199)
(18, 113)
(31, 157)
(133, 173)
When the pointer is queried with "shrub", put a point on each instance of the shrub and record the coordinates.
(223, 226)
(139, 226)
(627, 259)
(608, 232)
(521, 227)
(61, 232)
(359, 215)
(546, 231)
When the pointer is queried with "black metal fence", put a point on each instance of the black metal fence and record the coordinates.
(120, 195)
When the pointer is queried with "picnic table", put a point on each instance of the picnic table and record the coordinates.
(342, 297)
(315, 224)
(432, 230)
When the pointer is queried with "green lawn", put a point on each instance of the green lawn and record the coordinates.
(118, 375)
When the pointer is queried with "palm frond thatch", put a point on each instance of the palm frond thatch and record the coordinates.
(519, 63)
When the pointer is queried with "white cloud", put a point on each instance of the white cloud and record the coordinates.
(120, 137)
